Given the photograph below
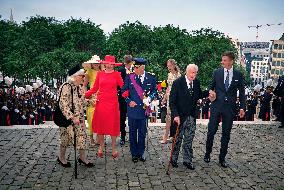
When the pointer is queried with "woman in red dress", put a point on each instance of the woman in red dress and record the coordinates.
(106, 120)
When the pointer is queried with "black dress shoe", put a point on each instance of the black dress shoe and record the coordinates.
(224, 164)
(134, 159)
(142, 158)
(189, 165)
(206, 159)
(89, 164)
(67, 165)
(174, 164)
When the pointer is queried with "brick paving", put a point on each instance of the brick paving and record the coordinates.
(256, 158)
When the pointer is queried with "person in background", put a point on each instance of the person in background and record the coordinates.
(264, 113)
(174, 73)
(92, 67)
(279, 91)
(125, 70)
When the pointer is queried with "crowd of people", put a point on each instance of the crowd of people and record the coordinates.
(30, 105)
(108, 96)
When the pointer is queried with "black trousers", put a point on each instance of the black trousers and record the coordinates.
(123, 111)
(281, 113)
(227, 114)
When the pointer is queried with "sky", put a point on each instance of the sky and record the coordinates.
(228, 16)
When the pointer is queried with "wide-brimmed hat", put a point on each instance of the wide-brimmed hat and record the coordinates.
(109, 59)
(94, 60)
(29, 88)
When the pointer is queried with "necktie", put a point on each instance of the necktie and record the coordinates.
(190, 85)
(190, 88)
(227, 81)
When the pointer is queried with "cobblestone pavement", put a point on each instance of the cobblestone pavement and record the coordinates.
(256, 158)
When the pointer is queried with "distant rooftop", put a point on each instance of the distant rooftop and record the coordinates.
(256, 45)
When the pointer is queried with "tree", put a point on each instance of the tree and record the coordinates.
(130, 38)
(206, 48)
(84, 36)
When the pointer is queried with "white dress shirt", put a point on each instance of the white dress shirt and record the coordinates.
(188, 82)
(142, 77)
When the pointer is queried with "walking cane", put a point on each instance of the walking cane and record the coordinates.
(147, 133)
(75, 168)
(173, 146)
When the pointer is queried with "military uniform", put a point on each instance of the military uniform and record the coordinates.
(137, 118)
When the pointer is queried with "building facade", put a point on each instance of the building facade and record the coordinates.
(277, 59)
(259, 71)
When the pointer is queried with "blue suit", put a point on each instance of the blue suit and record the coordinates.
(136, 115)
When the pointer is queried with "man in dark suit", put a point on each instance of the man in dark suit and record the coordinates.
(223, 94)
(124, 70)
(279, 91)
(138, 88)
(265, 100)
(184, 95)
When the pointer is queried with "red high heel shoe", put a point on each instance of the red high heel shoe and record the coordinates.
(100, 154)
(115, 155)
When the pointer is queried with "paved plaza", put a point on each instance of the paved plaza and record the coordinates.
(256, 158)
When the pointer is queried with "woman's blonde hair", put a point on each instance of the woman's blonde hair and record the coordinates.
(172, 61)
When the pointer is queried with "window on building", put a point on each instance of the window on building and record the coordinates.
(273, 63)
(274, 55)
(272, 71)
(277, 72)
(283, 53)
(280, 46)
(279, 55)
(275, 46)
(282, 63)
(278, 63)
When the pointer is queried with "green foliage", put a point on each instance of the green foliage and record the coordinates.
(45, 47)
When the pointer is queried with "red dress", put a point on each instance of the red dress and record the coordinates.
(106, 120)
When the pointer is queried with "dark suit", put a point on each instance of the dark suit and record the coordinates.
(183, 103)
(279, 91)
(122, 106)
(224, 106)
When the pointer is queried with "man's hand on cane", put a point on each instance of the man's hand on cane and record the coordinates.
(242, 113)
(177, 120)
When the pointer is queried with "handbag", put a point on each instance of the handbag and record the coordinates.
(59, 119)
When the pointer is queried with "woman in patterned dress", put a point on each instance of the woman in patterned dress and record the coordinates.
(73, 84)
(174, 73)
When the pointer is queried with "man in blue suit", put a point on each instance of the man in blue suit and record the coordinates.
(139, 88)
